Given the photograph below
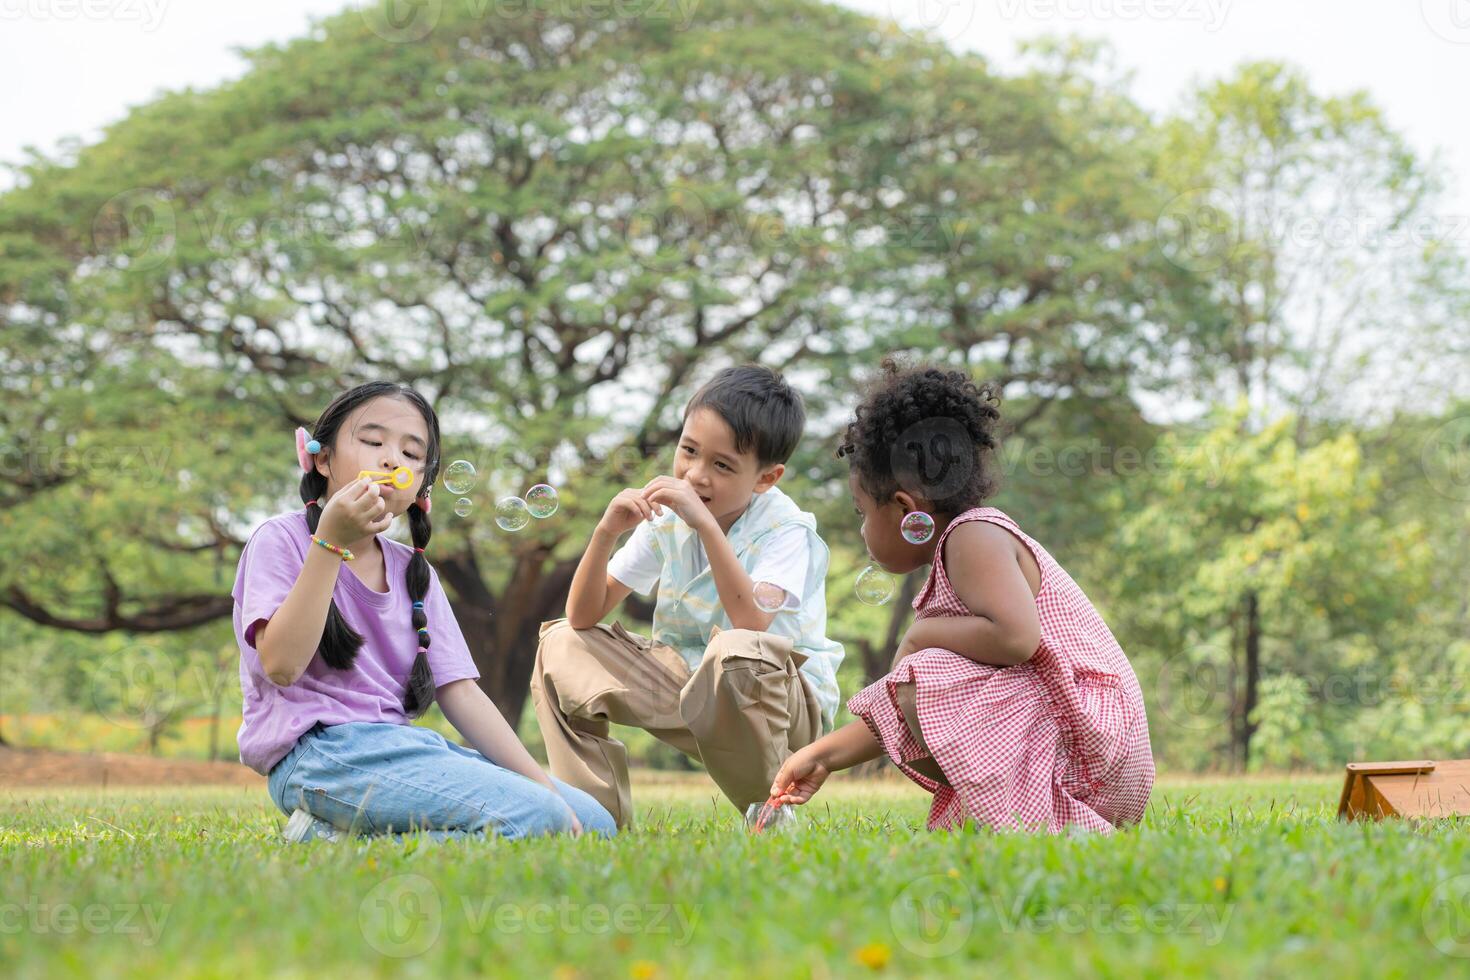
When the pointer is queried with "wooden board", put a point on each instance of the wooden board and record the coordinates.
(1416, 789)
(1356, 795)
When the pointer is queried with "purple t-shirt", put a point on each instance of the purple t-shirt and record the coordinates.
(275, 717)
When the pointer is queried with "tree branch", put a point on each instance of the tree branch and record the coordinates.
(176, 613)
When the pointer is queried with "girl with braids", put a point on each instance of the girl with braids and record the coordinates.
(345, 636)
(1009, 700)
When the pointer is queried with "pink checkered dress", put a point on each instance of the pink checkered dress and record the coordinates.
(1059, 740)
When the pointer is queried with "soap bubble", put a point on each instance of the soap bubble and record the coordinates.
(463, 506)
(917, 527)
(542, 501)
(511, 513)
(875, 586)
(769, 597)
(459, 476)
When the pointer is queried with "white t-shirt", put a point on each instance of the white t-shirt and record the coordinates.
(782, 562)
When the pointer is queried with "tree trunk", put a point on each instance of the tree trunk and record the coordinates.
(878, 661)
(2, 713)
(1237, 729)
(502, 633)
(214, 730)
(221, 673)
(1252, 673)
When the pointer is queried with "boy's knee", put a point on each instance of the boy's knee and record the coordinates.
(732, 642)
(740, 649)
(559, 643)
(552, 625)
(553, 634)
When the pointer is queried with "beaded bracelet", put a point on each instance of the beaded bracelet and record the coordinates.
(346, 555)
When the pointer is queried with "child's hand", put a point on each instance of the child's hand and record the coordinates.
(626, 510)
(801, 775)
(680, 497)
(355, 512)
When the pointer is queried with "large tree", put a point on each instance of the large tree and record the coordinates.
(556, 222)
(1328, 245)
(1248, 558)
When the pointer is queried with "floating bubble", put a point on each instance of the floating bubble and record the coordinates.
(460, 476)
(542, 501)
(463, 506)
(769, 597)
(875, 586)
(917, 527)
(512, 514)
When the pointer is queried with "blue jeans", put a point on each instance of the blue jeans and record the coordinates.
(373, 778)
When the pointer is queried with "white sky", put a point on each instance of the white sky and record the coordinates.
(67, 67)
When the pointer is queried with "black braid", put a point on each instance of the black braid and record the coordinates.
(340, 642)
(420, 693)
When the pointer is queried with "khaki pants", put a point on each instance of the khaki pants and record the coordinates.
(742, 711)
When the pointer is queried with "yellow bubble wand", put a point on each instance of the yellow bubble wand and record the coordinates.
(402, 477)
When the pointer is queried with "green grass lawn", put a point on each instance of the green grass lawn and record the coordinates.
(1234, 878)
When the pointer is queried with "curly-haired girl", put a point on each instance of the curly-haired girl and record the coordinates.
(1009, 700)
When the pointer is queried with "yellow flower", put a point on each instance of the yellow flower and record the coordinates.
(644, 970)
(874, 956)
(1220, 884)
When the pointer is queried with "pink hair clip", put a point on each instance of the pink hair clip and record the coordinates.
(306, 447)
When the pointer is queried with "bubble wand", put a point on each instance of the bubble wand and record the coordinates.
(402, 477)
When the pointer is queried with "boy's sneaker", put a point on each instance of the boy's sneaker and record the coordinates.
(303, 827)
